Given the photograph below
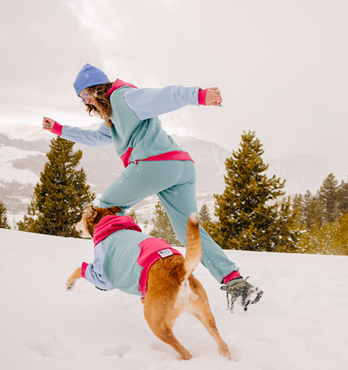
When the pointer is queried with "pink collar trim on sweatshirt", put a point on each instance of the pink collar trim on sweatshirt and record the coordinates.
(118, 84)
(109, 224)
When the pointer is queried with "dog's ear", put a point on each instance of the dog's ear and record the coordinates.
(115, 209)
(91, 213)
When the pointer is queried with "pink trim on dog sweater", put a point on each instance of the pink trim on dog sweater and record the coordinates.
(109, 224)
(119, 83)
(149, 249)
(57, 128)
(233, 275)
(201, 97)
(83, 269)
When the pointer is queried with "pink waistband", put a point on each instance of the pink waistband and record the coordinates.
(176, 155)
(170, 156)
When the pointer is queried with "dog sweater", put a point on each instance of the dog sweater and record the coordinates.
(137, 132)
(123, 255)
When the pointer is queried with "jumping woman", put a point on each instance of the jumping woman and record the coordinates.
(154, 163)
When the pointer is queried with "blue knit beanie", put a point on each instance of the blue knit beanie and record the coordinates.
(89, 76)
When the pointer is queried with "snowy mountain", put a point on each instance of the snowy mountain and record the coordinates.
(299, 324)
(304, 172)
(22, 157)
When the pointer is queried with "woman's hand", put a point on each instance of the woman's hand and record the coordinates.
(47, 123)
(213, 96)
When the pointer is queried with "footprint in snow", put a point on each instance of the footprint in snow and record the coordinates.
(161, 347)
(52, 349)
(119, 350)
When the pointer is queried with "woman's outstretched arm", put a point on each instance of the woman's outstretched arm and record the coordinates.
(147, 103)
(100, 137)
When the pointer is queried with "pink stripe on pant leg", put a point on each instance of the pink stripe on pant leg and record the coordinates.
(233, 275)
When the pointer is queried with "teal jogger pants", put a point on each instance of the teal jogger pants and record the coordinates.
(174, 182)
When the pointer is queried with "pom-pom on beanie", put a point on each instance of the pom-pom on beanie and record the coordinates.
(89, 76)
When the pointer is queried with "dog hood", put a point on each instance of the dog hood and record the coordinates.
(109, 224)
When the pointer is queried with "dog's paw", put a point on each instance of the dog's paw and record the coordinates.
(71, 286)
(224, 351)
(186, 355)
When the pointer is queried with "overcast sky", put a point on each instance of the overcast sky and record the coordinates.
(281, 64)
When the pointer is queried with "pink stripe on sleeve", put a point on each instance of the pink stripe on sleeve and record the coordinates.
(201, 96)
(57, 129)
(83, 269)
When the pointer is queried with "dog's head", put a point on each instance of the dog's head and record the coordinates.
(91, 218)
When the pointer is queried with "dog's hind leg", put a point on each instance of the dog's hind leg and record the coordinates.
(207, 319)
(199, 307)
(163, 332)
(158, 322)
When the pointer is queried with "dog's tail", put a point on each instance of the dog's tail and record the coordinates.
(193, 245)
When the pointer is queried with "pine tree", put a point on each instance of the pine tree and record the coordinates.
(287, 228)
(307, 206)
(328, 193)
(205, 219)
(61, 195)
(131, 213)
(204, 214)
(316, 212)
(319, 239)
(162, 227)
(3, 217)
(298, 205)
(309, 210)
(341, 236)
(247, 219)
(343, 198)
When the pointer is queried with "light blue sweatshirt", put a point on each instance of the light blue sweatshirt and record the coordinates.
(137, 131)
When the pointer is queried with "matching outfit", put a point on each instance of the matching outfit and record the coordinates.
(123, 256)
(154, 163)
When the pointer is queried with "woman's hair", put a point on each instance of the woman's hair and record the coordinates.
(103, 107)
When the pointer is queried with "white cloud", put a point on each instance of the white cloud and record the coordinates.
(43, 46)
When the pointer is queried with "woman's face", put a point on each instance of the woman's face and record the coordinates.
(86, 98)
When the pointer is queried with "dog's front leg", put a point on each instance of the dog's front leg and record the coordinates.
(72, 279)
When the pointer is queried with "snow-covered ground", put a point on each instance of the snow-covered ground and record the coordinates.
(300, 323)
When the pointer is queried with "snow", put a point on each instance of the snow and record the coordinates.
(300, 323)
(9, 173)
